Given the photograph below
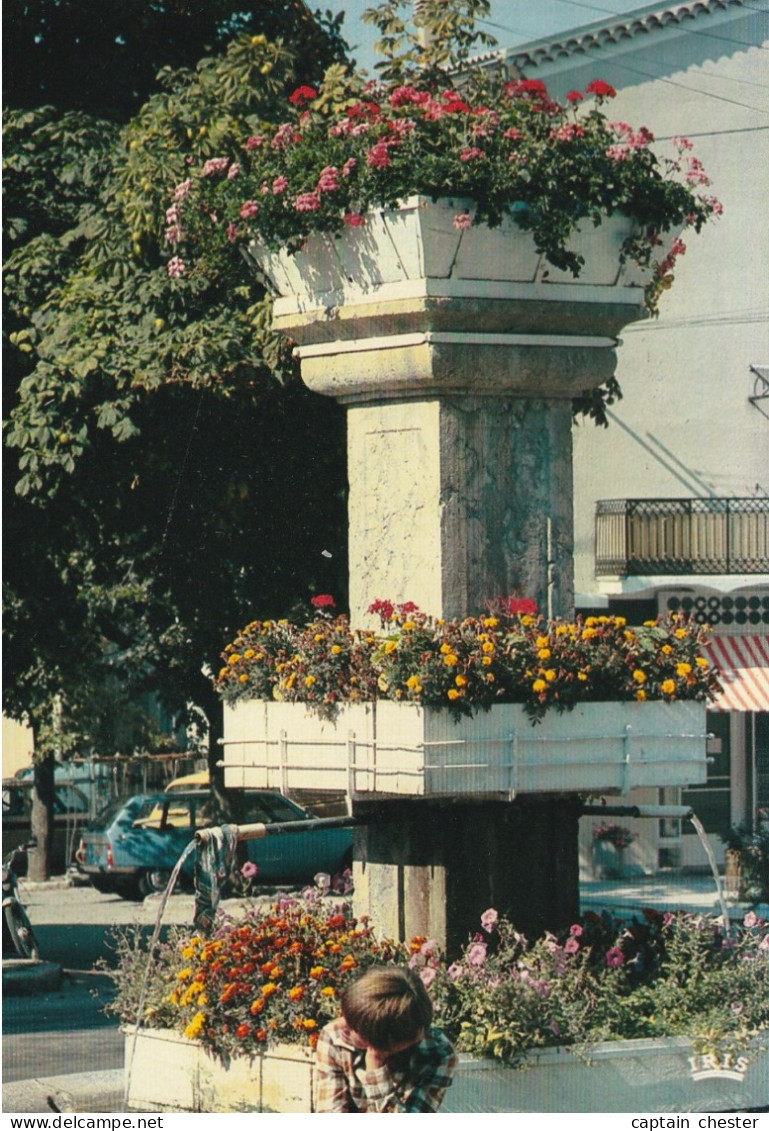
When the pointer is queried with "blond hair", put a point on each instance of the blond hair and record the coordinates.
(387, 1006)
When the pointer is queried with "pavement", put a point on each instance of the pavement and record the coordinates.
(102, 1091)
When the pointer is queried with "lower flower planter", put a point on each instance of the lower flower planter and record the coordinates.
(170, 1073)
(403, 749)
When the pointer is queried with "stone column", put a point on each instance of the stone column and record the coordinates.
(457, 361)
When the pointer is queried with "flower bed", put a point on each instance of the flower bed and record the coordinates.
(606, 992)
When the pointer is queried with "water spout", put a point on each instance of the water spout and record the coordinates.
(705, 842)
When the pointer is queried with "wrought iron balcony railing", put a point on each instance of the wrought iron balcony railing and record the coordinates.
(682, 536)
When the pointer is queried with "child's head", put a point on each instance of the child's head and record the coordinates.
(387, 1006)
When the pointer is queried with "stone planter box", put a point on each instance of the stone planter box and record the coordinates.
(172, 1074)
(402, 749)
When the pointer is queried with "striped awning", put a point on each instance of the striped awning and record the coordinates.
(743, 664)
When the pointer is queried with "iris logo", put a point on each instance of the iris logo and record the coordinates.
(709, 1066)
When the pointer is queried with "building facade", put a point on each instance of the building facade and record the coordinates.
(672, 499)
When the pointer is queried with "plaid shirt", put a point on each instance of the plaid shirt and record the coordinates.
(412, 1081)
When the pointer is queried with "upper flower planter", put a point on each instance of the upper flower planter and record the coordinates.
(411, 301)
(401, 749)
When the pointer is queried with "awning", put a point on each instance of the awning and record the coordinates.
(743, 664)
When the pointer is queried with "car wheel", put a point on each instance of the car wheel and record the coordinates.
(153, 880)
(21, 932)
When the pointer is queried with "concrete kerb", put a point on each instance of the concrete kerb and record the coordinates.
(78, 1092)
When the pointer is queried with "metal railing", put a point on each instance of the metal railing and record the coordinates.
(682, 536)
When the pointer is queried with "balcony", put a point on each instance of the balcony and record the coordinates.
(682, 536)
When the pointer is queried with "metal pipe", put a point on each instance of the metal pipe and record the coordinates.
(683, 812)
(277, 828)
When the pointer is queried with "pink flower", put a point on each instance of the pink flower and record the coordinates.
(249, 870)
(176, 267)
(377, 156)
(254, 143)
(232, 233)
(471, 153)
(682, 143)
(476, 954)
(618, 152)
(354, 219)
(571, 946)
(428, 974)
(280, 184)
(575, 930)
(428, 948)
(489, 919)
(233, 171)
(329, 179)
(614, 957)
(307, 202)
(181, 191)
(250, 208)
(348, 166)
(750, 920)
(215, 165)
(513, 134)
(462, 221)
(456, 971)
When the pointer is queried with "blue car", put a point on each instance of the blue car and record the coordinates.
(130, 849)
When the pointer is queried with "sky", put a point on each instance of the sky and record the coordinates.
(510, 21)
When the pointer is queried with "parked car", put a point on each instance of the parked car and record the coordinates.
(131, 848)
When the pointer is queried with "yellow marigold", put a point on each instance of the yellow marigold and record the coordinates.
(486, 661)
(269, 989)
(683, 669)
(620, 622)
(328, 991)
(650, 624)
(452, 693)
(291, 680)
(445, 648)
(581, 676)
(539, 685)
(680, 633)
(544, 653)
(243, 678)
(348, 963)
(589, 633)
(629, 634)
(195, 1027)
(490, 677)
(309, 680)
(590, 622)
(203, 999)
(335, 650)
(450, 659)
(561, 630)
(640, 695)
(639, 676)
(667, 649)
(257, 1006)
(248, 654)
(317, 972)
(188, 952)
(390, 646)
(174, 998)
(461, 680)
(527, 619)
(408, 625)
(488, 647)
(550, 675)
(413, 683)
(542, 641)
(701, 662)
(309, 1024)
(296, 993)
(491, 622)
(668, 687)
(234, 658)
(223, 672)
(318, 637)
(183, 975)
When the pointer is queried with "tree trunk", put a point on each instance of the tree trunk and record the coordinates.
(43, 793)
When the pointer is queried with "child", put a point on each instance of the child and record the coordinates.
(381, 1055)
